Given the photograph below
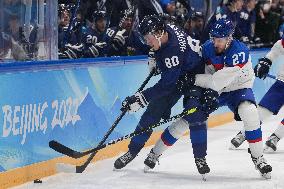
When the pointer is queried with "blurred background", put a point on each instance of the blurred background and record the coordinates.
(103, 28)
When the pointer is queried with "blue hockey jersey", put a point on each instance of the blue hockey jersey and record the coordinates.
(179, 55)
(236, 55)
(228, 71)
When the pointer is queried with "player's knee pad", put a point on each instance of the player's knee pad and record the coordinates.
(178, 128)
(249, 115)
(264, 113)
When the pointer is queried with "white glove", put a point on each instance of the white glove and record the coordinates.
(75, 47)
(119, 38)
(93, 51)
(135, 102)
(101, 44)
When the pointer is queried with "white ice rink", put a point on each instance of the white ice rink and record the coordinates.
(229, 169)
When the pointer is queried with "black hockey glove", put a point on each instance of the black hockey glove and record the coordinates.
(134, 103)
(209, 100)
(185, 82)
(262, 68)
(73, 51)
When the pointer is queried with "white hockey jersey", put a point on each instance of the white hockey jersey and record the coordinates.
(276, 51)
(227, 72)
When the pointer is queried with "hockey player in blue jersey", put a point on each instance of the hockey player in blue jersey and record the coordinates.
(176, 54)
(95, 38)
(272, 101)
(228, 71)
(126, 40)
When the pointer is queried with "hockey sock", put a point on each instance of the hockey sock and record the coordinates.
(170, 136)
(279, 132)
(198, 136)
(253, 133)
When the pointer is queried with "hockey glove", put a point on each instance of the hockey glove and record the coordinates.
(94, 50)
(73, 51)
(210, 101)
(262, 68)
(100, 45)
(185, 81)
(152, 65)
(119, 40)
(134, 103)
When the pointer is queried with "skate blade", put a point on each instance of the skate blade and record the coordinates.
(204, 177)
(146, 169)
(66, 168)
(117, 170)
(268, 150)
(266, 176)
(232, 147)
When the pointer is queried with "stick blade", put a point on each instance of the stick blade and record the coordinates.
(64, 149)
(80, 169)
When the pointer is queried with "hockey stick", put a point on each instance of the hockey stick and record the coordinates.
(75, 154)
(81, 168)
(274, 77)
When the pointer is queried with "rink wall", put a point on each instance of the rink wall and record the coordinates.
(74, 102)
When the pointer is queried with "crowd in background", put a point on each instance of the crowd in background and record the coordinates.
(109, 27)
(100, 28)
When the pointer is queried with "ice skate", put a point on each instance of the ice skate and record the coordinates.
(262, 166)
(150, 161)
(237, 141)
(271, 144)
(123, 160)
(202, 167)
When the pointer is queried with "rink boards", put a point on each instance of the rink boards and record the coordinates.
(74, 102)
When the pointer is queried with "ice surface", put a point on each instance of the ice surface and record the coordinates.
(229, 168)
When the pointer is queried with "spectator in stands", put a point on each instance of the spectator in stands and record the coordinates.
(114, 9)
(267, 23)
(230, 11)
(281, 30)
(168, 6)
(63, 22)
(149, 7)
(246, 22)
(195, 25)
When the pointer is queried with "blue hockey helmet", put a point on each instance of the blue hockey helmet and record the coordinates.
(222, 28)
(151, 24)
(98, 15)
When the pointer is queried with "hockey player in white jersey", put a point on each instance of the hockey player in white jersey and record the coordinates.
(228, 71)
(272, 101)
